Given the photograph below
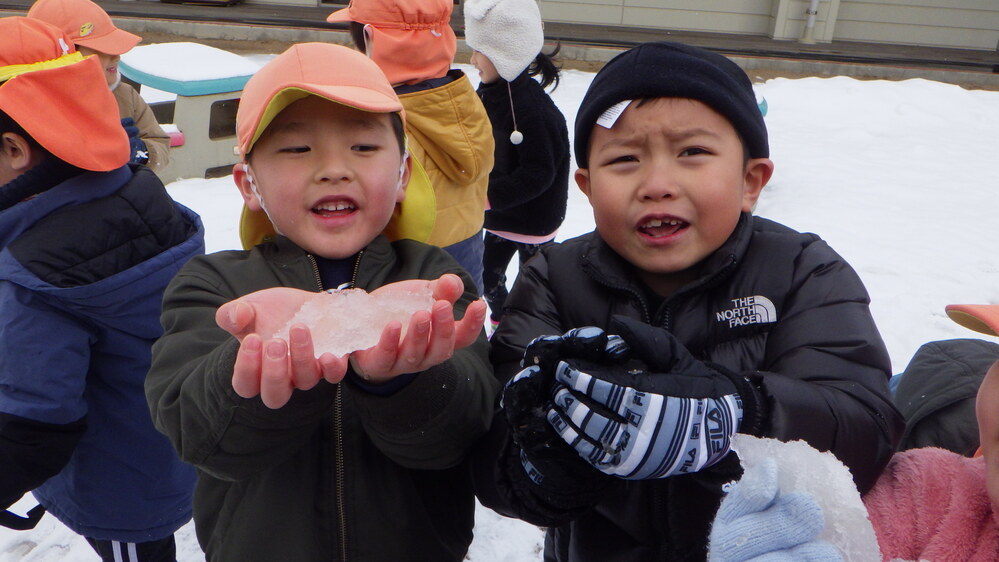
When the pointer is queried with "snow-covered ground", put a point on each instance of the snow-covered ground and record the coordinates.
(902, 179)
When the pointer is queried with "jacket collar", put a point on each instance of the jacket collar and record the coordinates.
(284, 252)
(72, 191)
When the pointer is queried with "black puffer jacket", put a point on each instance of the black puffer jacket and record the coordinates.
(529, 181)
(779, 306)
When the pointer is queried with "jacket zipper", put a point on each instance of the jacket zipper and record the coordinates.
(338, 433)
(338, 426)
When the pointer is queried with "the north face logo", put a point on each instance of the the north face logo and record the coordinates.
(748, 310)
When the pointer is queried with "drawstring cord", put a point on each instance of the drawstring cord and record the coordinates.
(516, 137)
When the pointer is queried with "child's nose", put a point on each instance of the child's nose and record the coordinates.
(659, 181)
(333, 171)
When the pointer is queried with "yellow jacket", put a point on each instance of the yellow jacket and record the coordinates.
(450, 136)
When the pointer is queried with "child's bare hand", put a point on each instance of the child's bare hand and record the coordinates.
(273, 368)
(432, 337)
(262, 312)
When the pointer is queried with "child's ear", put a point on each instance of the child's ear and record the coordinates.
(758, 172)
(242, 178)
(404, 174)
(582, 177)
(18, 153)
(369, 39)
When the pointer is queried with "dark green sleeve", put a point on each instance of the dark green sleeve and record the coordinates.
(190, 393)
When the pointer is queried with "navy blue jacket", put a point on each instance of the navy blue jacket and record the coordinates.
(83, 266)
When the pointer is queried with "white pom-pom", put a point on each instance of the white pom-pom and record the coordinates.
(516, 137)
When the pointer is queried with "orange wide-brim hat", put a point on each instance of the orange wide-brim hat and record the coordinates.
(59, 97)
(86, 24)
(412, 40)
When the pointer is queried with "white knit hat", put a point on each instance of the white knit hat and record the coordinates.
(507, 32)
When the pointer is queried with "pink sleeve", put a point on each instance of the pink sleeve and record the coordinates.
(928, 504)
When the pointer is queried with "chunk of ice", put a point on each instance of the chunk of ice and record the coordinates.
(347, 320)
(806, 469)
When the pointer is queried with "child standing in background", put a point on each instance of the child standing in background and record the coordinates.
(93, 33)
(449, 136)
(528, 185)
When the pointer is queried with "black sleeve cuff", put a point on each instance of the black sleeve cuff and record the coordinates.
(31, 452)
(754, 406)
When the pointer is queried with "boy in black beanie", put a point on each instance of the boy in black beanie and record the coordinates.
(684, 320)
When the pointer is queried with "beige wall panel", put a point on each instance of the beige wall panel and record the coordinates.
(570, 3)
(723, 22)
(916, 35)
(988, 5)
(920, 15)
(608, 13)
(946, 23)
(734, 6)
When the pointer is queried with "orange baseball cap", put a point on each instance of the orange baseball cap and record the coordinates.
(58, 96)
(982, 318)
(412, 40)
(334, 72)
(86, 24)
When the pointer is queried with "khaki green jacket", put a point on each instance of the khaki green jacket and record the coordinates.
(338, 473)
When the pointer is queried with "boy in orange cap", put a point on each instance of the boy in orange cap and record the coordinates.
(449, 131)
(87, 246)
(90, 28)
(302, 458)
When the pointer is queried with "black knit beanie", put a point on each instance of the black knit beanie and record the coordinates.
(673, 70)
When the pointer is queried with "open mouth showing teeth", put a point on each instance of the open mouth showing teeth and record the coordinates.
(658, 228)
(334, 209)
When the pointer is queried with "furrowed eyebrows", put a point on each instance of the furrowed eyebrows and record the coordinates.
(679, 135)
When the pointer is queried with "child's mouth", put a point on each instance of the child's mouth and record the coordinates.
(334, 209)
(659, 228)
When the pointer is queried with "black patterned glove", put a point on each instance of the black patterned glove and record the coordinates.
(563, 480)
(661, 414)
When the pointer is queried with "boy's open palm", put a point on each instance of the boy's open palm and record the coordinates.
(431, 338)
(273, 368)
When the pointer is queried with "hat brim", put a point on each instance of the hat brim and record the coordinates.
(982, 318)
(118, 42)
(357, 97)
(341, 15)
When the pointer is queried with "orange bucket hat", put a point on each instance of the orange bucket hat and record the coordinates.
(59, 97)
(338, 74)
(86, 24)
(412, 40)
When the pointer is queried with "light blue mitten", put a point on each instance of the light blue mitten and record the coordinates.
(756, 522)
